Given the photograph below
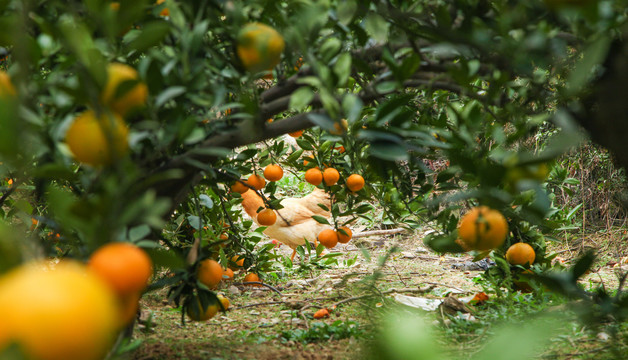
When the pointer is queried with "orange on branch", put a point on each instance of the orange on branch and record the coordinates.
(97, 141)
(267, 217)
(256, 182)
(239, 187)
(328, 237)
(342, 238)
(6, 86)
(296, 134)
(252, 277)
(520, 254)
(259, 47)
(196, 312)
(355, 182)
(273, 172)
(209, 273)
(57, 313)
(124, 266)
(483, 228)
(119, 96)
(314, 176)
(331, 176)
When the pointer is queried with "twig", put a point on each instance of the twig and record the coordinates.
(260, 283)
(445, 285)
(378, 232)
(260, 304)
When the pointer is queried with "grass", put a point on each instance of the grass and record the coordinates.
(264, 325)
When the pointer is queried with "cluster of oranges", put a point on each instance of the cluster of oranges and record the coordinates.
(70, 310)
(483, 229)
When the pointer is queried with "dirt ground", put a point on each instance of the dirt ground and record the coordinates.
(253, 326)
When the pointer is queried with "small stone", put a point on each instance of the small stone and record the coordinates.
(233, 290)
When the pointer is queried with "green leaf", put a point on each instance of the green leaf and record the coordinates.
(342, 68)
(320, 219)
(301, 98)
(206, 201)
(151, 34)
(167, 94)
(139, 232)
(387, 150)
(346, 11)
(376, 26)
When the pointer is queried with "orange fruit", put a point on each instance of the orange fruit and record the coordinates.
(6, 86)
(331, 176)
(273, 172)
(355, 182)
(125, 267)
(259, 47)
(209, 273)
(267, 217)
(227, 274)
(520, 254)
(239, 187)
(165, 11)
(256, 182)
(97, 141)
(238, 260)
(296, 134)
(483, 228)
(196, 312)
(224, 302)
(322, 313)
(340, 127)
(250, 277)
(122, 99)
(340, 149)
(314, 176)
(57, 313)
(328, 237)
(129, 305)
(342, 238)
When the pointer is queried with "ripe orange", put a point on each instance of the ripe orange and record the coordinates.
(121, 99)
(64, 312)
(223, 237)
(520, 254)
(196, 312)
(483, 228)
(227, 274)
(355, 182)
(165, 11)
(129, 305)
(209, 273)
(340, 127)
(267, 217)
(314, 176)
(239, 187)
(224, 302)
(252, 277)
(296, 134)
(273, 172)
(340, 149)
(328, 237)
(256, 182)
(238, 260)
(6, 86)
(97, 141)
(331, 176)
(259, 47)
(342, 238)
(322, 313)
(125, 267)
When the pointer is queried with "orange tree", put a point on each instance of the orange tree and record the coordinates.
(435, 104)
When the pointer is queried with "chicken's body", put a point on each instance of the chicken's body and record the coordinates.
(294, 223)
